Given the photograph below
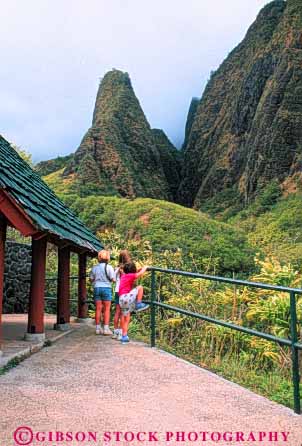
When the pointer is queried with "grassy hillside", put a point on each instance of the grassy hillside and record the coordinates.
(205, 243)
(271, 225)
(277, 231)
(70, 184)
(47, 167)
(57, 183)
(169, 235)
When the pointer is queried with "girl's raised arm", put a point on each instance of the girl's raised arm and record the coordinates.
(142, 271)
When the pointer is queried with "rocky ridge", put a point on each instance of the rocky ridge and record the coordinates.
(119, 153)
(247, 130)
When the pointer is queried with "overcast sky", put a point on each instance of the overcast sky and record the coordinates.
(54, 52)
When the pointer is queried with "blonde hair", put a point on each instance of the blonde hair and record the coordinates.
(104, 256)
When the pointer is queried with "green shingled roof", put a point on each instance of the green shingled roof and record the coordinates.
(39, 202)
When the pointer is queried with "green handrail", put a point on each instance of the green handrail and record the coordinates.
(292, 343)
(264, 286)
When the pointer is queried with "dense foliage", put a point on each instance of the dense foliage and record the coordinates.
(277, 230)
(168, 235)
(205, 244)
(47, 167)
(262, 366)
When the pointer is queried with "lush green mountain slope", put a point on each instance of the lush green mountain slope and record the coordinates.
(206, 244)
(190, 119)
(243, 134)
(170, 158)
(277, 231)
(243, 145)
(247, 130)
(47, 167)
(61, 184)
(119, 154)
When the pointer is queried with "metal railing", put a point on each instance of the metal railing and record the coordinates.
(73, 300)
(293, 343)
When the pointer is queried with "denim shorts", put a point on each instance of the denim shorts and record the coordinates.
(117, 299)
(102, 293)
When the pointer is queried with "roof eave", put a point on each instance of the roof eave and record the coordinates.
(20, 220)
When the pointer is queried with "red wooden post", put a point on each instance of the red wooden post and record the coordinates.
(63, 307)
(82, 289)
(35, 328)
(3, 225)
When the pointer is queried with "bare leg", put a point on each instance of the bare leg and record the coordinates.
(117, 316)
(102, 313)
(107, 305)
(98, 311)
(125, 319)
(140, 293)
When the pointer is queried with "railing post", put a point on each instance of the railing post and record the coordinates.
(152, 316)
(294, 352)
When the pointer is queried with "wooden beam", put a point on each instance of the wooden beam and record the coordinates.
(35, 328)
(19, 219)
(62, 243)
(63, 295)
(3, 227)
(65, 244)
(16, 215)
(40, 235)
(82, 289)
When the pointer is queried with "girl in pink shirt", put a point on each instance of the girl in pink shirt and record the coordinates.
(130, 296)
(124, 258)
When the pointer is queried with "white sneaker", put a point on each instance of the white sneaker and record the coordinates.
(99, 330)
(115, 333)
(107, 331)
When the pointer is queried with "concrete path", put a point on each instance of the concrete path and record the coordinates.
(12, 330)
(91, 383)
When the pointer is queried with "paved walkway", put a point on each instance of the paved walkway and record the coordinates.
(92, 383)
(15, 325)
(12, 331)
